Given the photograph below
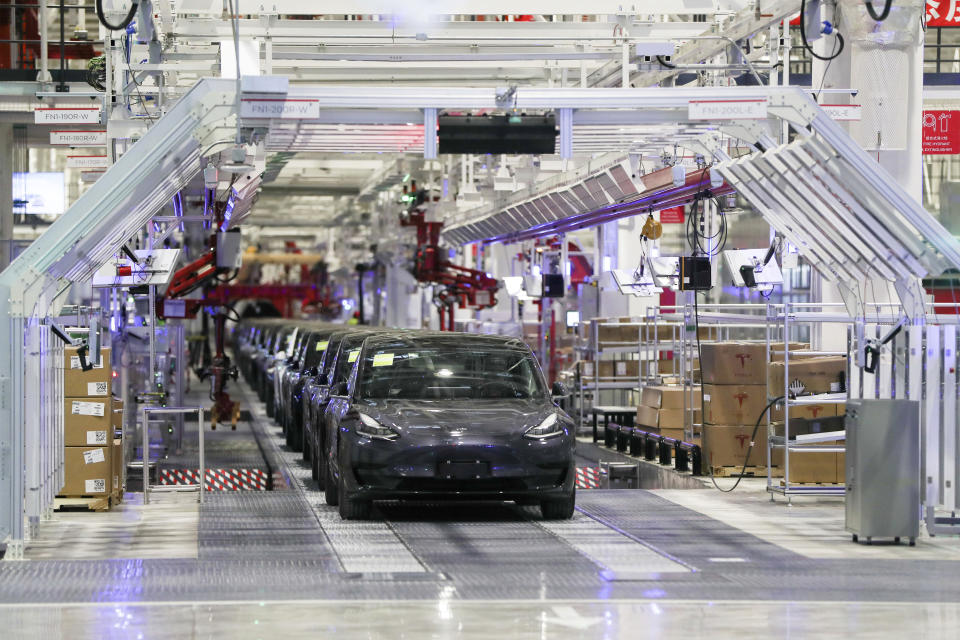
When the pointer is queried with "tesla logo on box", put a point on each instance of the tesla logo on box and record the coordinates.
(742, 357)
(815, 411)
(941, 132)
(741, 397)
(742, 439)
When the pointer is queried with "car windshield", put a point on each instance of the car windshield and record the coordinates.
(312, 355)
(349, 351)
(461, 372)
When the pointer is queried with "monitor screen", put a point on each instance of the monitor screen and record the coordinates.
(39, 193)
(573, 318)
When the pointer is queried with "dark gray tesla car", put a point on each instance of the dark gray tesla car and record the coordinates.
(462, 416)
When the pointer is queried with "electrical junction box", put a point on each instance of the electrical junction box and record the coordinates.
(695, 274)
(553, 286)
(228, 249)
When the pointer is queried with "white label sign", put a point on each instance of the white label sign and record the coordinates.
(93, 456)
(79, 138)
(87, 162)
(842, 112)
(96, 388)
(75, 363)
(280, 108)
(96, 437)
(80, 408)
(727, 109)
(67, 115)
(97, 485)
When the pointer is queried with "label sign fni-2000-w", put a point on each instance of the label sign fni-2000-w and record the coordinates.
(280, 108)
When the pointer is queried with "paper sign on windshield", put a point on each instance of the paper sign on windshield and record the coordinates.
(352, 357)
(383, 359)
(322, 346)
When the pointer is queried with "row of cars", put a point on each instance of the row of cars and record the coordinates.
(388, 414)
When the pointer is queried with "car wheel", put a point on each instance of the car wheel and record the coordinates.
(351, 508)
(331, 493)
(559, 509)
(296, 436)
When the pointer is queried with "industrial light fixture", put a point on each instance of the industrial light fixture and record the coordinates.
(238, 161)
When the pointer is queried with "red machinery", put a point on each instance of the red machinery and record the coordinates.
(461, 285)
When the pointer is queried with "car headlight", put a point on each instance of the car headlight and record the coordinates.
(370, 428)
(549, 428)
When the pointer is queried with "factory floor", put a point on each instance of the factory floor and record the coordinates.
(631, 563)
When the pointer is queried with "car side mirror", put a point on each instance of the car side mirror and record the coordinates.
(559, 390)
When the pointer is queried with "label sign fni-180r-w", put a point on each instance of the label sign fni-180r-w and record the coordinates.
(66, 115)
(278, 108)
(90, 138)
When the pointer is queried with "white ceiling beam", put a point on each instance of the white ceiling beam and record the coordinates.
(422, 11)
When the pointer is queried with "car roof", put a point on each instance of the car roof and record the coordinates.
(445, 338)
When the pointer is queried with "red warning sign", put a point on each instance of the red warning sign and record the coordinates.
(672, 215)
(943, 13)
(941, 132)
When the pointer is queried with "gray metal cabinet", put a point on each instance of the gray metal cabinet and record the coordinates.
(883, 469)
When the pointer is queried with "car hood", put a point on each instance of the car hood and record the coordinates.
(475, 417)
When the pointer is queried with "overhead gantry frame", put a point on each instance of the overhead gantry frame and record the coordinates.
(161, 163)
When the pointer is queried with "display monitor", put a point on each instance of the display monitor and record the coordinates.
(39, 193)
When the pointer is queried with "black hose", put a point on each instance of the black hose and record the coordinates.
(112, 27)
(753, 437)
(883, 14)
(666, 64)
(806, 44)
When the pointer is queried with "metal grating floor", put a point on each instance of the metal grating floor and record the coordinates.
(288, 544)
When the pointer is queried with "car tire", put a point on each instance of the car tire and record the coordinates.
(559, 509)
(315, 467)
(351, 508)
(331, 493)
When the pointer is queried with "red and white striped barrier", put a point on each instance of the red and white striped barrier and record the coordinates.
(588, 477)
(218, 479)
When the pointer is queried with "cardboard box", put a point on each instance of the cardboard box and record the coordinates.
(626, 369)
(676, 434)
(78, 383)
(87, 422)
(116, 462)
(88, 471)
(734, 363)
(733, 404)
(647, 417)
(727, 445)
(673, 418)
(815, 374)
(776, 351)
(665, 397)
(804, 411)
(590, 368)
(814, 466)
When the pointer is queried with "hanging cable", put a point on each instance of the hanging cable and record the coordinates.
(666, 64)
(883, 14)
(112, 27)
(806, 43)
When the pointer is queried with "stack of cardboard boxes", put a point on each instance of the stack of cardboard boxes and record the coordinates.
(661, 410)
(734, 395)
(91, 453)
(817, 375)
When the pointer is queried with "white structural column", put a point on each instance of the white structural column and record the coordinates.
(883, 76)
(6, 198)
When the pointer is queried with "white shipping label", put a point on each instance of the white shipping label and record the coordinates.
(93, 456)
(706, 397)
(96, 485)
(588, 369)
(96, 388)
(97, 437)
(80, 408)
(75, 363)
(621, 368)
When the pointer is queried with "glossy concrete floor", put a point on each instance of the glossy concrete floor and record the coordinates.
(631, 564)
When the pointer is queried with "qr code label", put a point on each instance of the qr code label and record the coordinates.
(96, 437)
(95, 485)
(96, 388)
